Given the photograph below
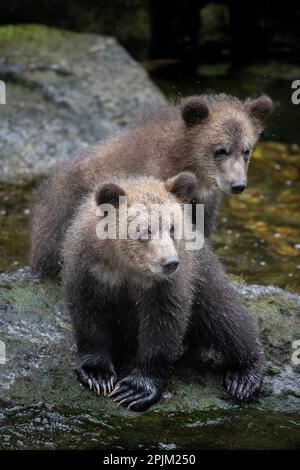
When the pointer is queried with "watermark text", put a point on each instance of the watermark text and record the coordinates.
(2, 92)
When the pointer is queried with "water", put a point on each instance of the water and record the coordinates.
(15, 201)
(258, 233)
(274, 79)
(42, 426)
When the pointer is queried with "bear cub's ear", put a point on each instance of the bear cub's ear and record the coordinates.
(259, 108)
(109, 194)
(184, 186)
(194, 110)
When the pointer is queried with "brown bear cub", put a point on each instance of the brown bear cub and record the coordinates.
(212, 136)
(149, 297)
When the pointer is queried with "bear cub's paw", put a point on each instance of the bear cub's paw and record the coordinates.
(96, 376)
(136, 392)
(244, 384)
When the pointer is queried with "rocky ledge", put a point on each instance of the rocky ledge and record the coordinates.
(37, 378)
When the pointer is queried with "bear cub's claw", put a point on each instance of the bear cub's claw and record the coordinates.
(136, 392)
(102, 383)
(242, 385)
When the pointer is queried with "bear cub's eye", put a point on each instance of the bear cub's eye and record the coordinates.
(220, 153)
(246, 154)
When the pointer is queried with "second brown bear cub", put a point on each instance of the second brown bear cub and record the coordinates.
(150, 298)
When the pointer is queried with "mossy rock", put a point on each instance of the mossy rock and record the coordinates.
(65, 91)
(40, 394)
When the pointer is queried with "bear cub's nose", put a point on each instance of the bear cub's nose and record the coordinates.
(237, 187)
(169, 264)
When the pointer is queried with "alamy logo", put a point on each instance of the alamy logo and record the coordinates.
(2, 353)
(157, 222)
(2, 92)
(296, 93)
(296, 353)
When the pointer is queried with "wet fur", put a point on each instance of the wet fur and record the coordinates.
(120, 312)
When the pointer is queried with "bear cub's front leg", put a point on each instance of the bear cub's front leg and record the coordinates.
(90, 315)
(164, 314)
(229, 327)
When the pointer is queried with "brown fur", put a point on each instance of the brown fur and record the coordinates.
(129, 256)
(126, 312)
(179, 137)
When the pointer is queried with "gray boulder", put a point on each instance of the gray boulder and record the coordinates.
(65, 91)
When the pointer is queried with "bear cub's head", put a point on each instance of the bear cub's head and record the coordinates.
(223, 131)
(144, 218)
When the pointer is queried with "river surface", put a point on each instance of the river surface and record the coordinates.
(42, 426)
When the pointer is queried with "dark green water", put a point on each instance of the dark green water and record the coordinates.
(274, 79)
(43, 426)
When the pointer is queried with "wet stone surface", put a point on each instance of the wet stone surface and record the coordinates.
(43, 406)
